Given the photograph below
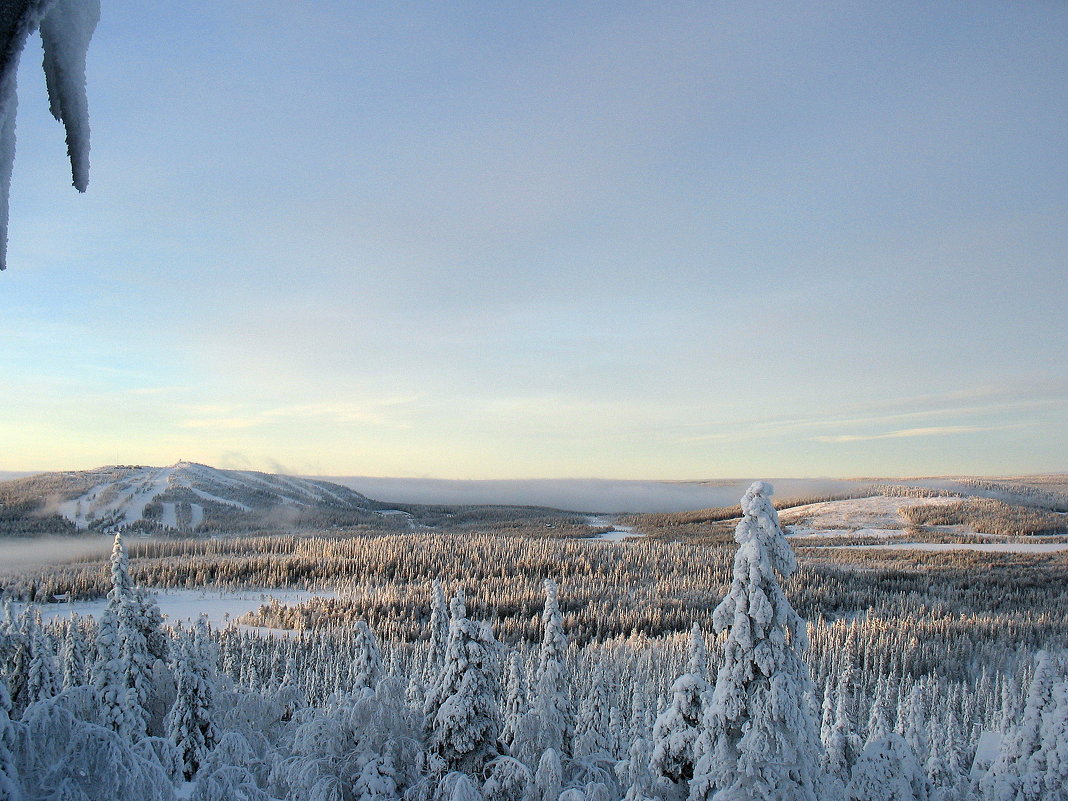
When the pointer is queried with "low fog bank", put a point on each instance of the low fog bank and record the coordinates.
(39, 551)
(580, 495)
(10, 475)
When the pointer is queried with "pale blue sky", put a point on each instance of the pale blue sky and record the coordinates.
(487, 240)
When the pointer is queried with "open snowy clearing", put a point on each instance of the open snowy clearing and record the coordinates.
(878, 512)
(617, 534)
(987, 547)
(187, 605)
(805, 533)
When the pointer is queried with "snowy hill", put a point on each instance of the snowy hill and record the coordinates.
(185, 497)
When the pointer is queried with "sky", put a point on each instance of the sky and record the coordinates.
(514, 240)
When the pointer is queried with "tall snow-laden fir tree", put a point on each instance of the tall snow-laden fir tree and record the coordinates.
(43, 678)
(125, 604)
(17, 667)
(367, 659)
(1012, 777)
(10, 788)
(551, 701)
(843, 743)
(677, 728)
(508, 780)
(1054, 736)
(592, 731)
(515, 701)
(887, 770)
(190, 723)
(549, 776)
(119, 709)
(150, 622)
(634, 771)
(74, 662)
(880, 721)
(760, 741)
(462, 717)
(439, 634)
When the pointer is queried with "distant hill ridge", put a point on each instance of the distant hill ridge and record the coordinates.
(185, 497)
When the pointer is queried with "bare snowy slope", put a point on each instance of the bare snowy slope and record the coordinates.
(183, 497)
(878, 514)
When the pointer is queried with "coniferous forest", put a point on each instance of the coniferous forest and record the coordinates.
(503, 665)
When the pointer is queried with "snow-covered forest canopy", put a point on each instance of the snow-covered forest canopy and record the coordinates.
(511, 666)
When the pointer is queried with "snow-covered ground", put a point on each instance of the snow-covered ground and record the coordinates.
(187, 605)
(207, 496)
(879, 517)
(987, 547)
(878, 513)
(803, 533)
(122, 501)
(617, 534)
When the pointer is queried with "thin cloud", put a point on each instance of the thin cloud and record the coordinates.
(156, 390)
(221, 422)
(987, 402)
(373, 413)
(906, 433)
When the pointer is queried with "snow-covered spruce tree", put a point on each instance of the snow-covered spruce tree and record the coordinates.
(10, 787)
(119, 709)
(17, 667)
(592, 724)
(677, 728)
(760, 733)
(439, 635)
(230, 783)
(551, 701)
(592, 759)
(1012, 777)
(367, 659)
(887, 770)
(914, 726)
(1054, 736)
(126, 604)
(515, 701)
(880, 718)
(43, 678)
(457, 786)
(843, 743)
(66, 28)
(827, 711)
(74, 662)
(462, 717)
(190, 723)
(508, 780)
(549, 777)
(150, 622)
(634, 773)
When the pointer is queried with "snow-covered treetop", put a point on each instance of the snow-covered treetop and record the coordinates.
(755, 594)
(697, 664)
(66, 28)
(761, 522)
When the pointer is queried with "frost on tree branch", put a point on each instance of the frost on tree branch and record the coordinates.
(66, 27)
